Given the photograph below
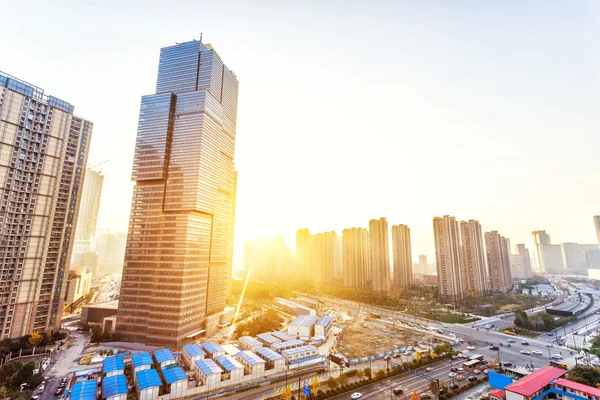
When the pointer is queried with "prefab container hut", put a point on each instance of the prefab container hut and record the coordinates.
(114, 388)
(164, 357)
(208, 372)
(267, 339)
(141, 361)
(299, 353)
(213, 349)
(253, 364)
(303, 327)
(148, 384)
(249, 343)
(113, 366)
(230, 349)
(284, 337)
(323, 326)
(290, 344)
(233, 371)
(85, 390)
(273, 360)
(191, 353)
(176, 380)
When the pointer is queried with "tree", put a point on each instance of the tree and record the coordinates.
(360, 374)
(96, 333)
(332, 383)
(35, 339)
(315, 384)
(368, 372)
(286, 393)
(417, 356)
(414, 395)
(342, 379)
(434, 387)
(442, 348)
(380, 374)
(586, 375)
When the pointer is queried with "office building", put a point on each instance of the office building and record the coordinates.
(183, 201)
(402, 254)
(520, 262)
(498, 262)
(380, 255)
(304, 257)
(573, 255)
(323, 257)
(88, 212)
(44, 149)
(355, 243)
(111, 251)
(473, 258)
(268, 259)
(451, 285)
(593, 264)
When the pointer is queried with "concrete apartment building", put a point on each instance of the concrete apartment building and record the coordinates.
(323, 251)
(473, 257)
(355, 244)
(304, 257)
(520, 262)
(380, 255)
(451, 282)
(401, 251)
(498, 262)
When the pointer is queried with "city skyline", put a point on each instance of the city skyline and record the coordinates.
(471, 111)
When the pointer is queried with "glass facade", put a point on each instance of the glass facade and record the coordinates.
(179, 245)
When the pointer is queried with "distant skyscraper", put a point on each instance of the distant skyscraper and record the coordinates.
(402, 256)
(43, 151)
(338, 259)
(520, 262)
(304, 255)
(323, 245)
(183, 201)
(448, 258)
(356, 257)
(380, 255)
(88, 212)
(573, 255)
(473, 258)
(540, 238)
(597, 226)
(267, 259)
(423, 261)
(498, 260)
(111, 251)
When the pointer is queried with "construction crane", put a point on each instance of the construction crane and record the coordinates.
(98, 164)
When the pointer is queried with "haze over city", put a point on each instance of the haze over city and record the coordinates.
(351, 111)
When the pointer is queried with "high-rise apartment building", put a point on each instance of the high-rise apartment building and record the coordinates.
(520, 262)
(323, 249)
(500, 279)
(177, 260)
(111, 251)
(43, 150)
(597, 226)
(446, 233)
(304, 255)
(88, 212)
(401, 251)
(356, 257)
(540, 238)
(380, 255)
(338, 259)
(473, 258)
(268, 259)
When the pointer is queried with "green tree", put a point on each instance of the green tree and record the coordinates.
(360, 374)
(583, 374)
(368, 372)
(96, 333)
(342, 379)
(35, 339)
(380, 374)
(332, 383)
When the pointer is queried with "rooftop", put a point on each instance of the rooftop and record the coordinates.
(194, 350)
(304, 320)
(114, 385)
(250, 341)
(267, 337)
(282, 336)
(148, 378)
(268, 354)
(208, 366)
(174, 375)
(301, 360)
(311, 301)
(111, 364)
(291, 304)
(230, 349)
(142, 358)
(212, 347)
(229, 363)
(163, 355)
(535, 381)
(85, 390)
(497, 393)
(297, 350)
(578, 386)
(250, 357)
(326, 320)
(288, 344)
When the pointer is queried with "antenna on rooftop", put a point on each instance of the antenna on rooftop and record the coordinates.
(200, 36)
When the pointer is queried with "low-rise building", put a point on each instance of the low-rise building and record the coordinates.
(249, 343)
(113, 366)
(532, 385)
(253, 364)
(576, 388)
(208, 372)
(233, 371)
(284, 337)
(177, 381)
(85, 390)
(267, 339)
(230, 349)
(213, 349)
(148, 384)
(141, 361)
(323, 326)
(273, 360)
(114, 388)
(191, 353)
(305, 301)
(299, 353)
(290, 344)
(164, 357)
(293, 308)
(303, 327)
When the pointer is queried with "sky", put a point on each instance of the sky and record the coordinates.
(350, 110)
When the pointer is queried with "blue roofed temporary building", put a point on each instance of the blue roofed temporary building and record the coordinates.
(164, 357)
(232, 369)
(249, 343)
(208, 372)
(213, 349)
(274, 360)
(323, 326)
(85, 390)
(191, 353)
(176, 380)
(141, 361)
(253, 364)
(148, 384)
(299, 353)
(290, 344)
(113, 366)
(267, 339)
(303, 327)
(284, 337)
(114, 388)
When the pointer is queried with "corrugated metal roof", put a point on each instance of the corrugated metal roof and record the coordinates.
(250, 357)
(283, 336)
(291, 304)
(212, 347)
(174, 375)
(311, 301)
(268, 354)
(267, 337)
(208, 366)
(299, 350)
(228, 363)
(301, 360)
(589, 390)
(288, 344)
(147, 378)
(326, 320)
(111, 364)
(250, 341)
(163, 355)
(114, 385)
(230, 349)
(142, 358)
(194, 350)
(535, 381)
(85, 390)
(304, 320)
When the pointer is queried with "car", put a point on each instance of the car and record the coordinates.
(396, 355)
(492, 347)
(472, 378)
(453, 369)
(35, 397)
(461, 341)
(511, 340)
(476, 371)
(62, 385)
(537, 352)
(356, 395)
(398, 390)
(556, 356)
(428, 369)
(525, 352)
(425, 396)
(454, 386)
(461, 370)
(485, 371)
(550, 333)
(452, 374)
(460, 377)
(525, 343)
(548, 345)
(508, 364)
(59, 391)
(453, 357)
(470, 347)
(488, 326)
(387, 358)
(596, 363)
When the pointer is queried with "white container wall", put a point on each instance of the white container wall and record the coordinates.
(150, 393)
(178, 389)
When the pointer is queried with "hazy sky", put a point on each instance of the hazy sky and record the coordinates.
(351, 110)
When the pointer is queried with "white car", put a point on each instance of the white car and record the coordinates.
(470, 347)
(461, 355)
(525, 352)
(488, 326)
(461, 370)
(428, 369)
(548, 345)
(356, 395)
(557, 356)
(452, 374)
(537, 352)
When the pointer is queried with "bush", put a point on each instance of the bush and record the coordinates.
(351, 372)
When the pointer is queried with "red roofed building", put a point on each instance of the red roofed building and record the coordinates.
(533, 384)
(497, 395)
(577, 388)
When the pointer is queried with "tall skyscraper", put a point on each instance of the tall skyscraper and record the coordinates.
(402, 256)
(500, 279)
(597, 226)
(88, 212)
(448, 258)
(43, 150)
(323, 256)
(473, 258)
(380, 255)
(520, 262)
(338, 259)
(540, 238)
(304, 255)
(356, 257)
(177, 259)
